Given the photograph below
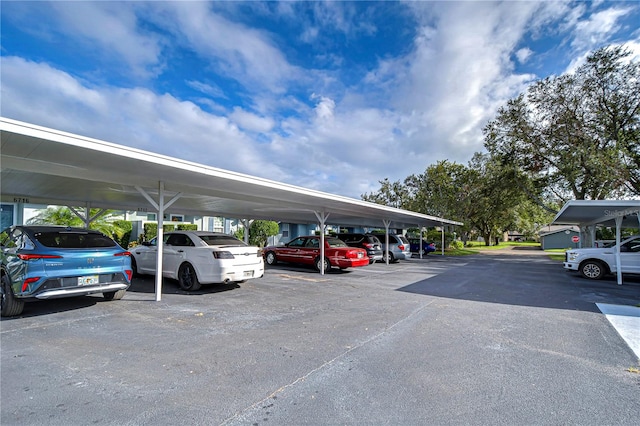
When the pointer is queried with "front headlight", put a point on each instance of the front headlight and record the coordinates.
(571, 256)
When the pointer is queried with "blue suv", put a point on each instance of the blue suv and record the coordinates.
(48, 262)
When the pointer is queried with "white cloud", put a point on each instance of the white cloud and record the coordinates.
(246, 54)
(113, 28)
(593, 31)
(134, 117)
(251, 122)
(523, 54)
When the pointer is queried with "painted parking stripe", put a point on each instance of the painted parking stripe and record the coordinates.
(626, 321)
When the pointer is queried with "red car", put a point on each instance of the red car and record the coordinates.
(306, 250)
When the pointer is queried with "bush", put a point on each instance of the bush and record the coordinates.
(151, 230)
(122, 233)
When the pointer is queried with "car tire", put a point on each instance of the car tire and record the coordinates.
(392, 259)
(593, 269)
(114, 295)
(187, 278)
(270, 258)
(9, 306)
(327, 265)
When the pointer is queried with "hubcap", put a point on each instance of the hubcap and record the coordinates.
(591, 270)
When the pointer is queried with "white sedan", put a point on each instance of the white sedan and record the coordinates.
(200, 257)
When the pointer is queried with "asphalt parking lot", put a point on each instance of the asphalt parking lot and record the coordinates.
(498, 339)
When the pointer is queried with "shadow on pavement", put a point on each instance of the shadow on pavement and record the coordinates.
(527, 281)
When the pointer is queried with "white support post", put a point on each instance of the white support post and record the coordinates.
(386, 223)
(160, 241)
(618, 265)
(160, 206)
(322, 219)
(420, 247)
(246, 223)
(442, 231)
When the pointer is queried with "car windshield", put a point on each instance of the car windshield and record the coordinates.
(334, 242)
(73, 240)
(221, 240)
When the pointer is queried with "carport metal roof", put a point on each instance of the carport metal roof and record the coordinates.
(589, 213)
(46, 166)
(593, 212)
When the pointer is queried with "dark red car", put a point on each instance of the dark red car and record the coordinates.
(306, 250)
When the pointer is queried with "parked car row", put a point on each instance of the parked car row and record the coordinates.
(339, 250)
(44, 262)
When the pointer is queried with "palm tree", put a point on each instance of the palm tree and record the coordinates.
(64, 216)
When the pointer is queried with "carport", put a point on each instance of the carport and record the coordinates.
(587, 214)
(46, 166)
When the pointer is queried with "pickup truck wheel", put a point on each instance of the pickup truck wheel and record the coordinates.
(10, 306)
(593, 269)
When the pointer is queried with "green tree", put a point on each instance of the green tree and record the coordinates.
(260, 230)
(490, 196)
(575, 135)
(393, 194)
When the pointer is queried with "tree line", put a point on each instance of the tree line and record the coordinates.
(573, 136)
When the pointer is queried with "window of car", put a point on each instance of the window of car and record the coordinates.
(335, 242)
(179, 240)
(298, 242)
(313, 243)
(73, 239)
(221, 240)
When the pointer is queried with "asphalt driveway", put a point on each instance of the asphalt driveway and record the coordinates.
(491, 339)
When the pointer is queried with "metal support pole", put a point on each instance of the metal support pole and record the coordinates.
(322, 218)
(386, 223)
(618, 265)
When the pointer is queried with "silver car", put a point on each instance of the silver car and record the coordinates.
(399, 248)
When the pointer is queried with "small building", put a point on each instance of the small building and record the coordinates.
(559, 237)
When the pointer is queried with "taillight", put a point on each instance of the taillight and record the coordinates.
(28, 281)
(223, 255)
(23, 256)
(123, 253)
(352, 254)
(368, 245)
(129, 273)
(401, 247)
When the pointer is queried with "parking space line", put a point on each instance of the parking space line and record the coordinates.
(626, 321)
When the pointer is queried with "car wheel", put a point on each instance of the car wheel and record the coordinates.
(271, 259)
(9, 306)
(391, 258)
(187, 278)
(593, 269)
(114, 295)
(327, 265)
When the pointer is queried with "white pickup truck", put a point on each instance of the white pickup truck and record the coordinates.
(595, 263)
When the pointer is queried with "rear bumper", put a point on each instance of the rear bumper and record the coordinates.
(79, 291)
(236, 273)
(351, 263)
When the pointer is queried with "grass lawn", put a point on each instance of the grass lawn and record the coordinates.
(474, 247)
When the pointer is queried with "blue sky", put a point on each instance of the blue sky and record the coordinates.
(333, 96)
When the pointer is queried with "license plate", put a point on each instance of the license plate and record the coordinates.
(248, 274)
(89, 280)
